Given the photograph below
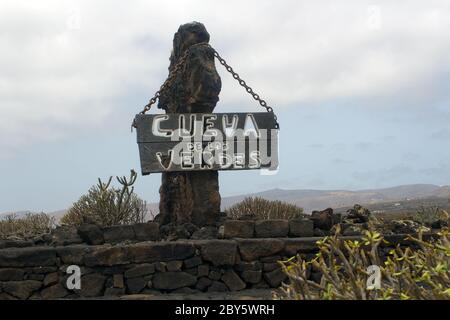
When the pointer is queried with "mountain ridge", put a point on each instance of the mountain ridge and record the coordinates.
(315, 199)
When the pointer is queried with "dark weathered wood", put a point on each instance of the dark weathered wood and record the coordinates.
(190, 196)
(145, 123)
(255, 148)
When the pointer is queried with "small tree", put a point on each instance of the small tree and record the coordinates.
(107, 206)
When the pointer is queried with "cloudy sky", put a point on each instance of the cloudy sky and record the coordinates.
(361, 89)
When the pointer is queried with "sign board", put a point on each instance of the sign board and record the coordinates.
(198, 141)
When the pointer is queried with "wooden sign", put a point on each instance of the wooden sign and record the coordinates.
(198, 141)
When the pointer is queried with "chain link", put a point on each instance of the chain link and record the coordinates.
(255, 96)
(173, 73)
(168, 82)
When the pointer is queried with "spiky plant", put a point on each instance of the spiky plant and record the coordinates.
(107, 205)
(260, 208)
(407, 273)
(428, 215)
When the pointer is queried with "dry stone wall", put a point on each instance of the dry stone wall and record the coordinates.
(123, 260)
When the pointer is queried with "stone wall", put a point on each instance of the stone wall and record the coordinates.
(151, 231)
(188, 266)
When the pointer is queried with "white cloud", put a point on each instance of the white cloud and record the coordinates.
(65, 64)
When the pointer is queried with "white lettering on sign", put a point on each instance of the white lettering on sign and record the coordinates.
(239, 160)
(250, 126)
(210, 141)
(203, 129)
(255, 159)
(187, 160)
(184, 132)
(210, 131)
(156, 127)
(226, 154)
(165, 159)
(230, 127)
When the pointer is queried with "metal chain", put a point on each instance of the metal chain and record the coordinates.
(255, 96)
(168, 82)
(179, 65)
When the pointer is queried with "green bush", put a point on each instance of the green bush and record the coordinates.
(106, 205)
(259, 208)
(411, 273)
(32, 224)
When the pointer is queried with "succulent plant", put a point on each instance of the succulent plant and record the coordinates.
(419, 271)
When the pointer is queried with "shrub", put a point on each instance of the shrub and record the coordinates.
(106, 205)
(420, 273)
(429, 215)
(259, 208)
(32, 224)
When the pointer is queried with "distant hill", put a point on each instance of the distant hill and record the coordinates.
(320, 199)
(404, 207)
(409, 196)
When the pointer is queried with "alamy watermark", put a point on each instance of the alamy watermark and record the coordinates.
(73, 282)
(374, 280)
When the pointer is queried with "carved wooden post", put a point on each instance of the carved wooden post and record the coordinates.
(191, 196)
(189, 158)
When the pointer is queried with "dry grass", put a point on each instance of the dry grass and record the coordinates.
(32, 224)
(259, 208)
